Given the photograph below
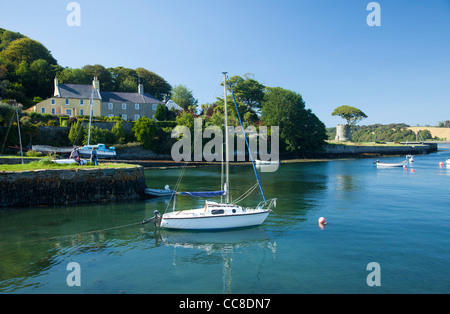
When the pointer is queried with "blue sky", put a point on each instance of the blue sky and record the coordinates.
(322, 49)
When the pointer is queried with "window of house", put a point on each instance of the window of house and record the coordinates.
(69, 112)
(53, 111)
(81, 102)
(136, 106)
(42, 110)
(124, 106)
(136, 116)
(110, 105)
(67, 101)
(124, 116)
(154, 106)
(81, 112)
(53, 102)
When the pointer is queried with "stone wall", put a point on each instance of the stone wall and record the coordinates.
(354, 150)
(74, 186)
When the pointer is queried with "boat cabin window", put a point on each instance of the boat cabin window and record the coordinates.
(217, 211)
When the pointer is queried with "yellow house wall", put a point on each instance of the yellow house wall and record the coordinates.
(74, 104)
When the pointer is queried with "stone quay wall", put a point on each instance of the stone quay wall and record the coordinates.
(74, 186)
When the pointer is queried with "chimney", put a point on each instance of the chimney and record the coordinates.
(96, 83)
(141, 89)
(56, 92)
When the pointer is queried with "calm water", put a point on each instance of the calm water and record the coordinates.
(397, 218)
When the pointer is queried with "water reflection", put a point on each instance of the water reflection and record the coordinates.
(220, 248)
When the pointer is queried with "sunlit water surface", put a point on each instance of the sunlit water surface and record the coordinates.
(394, 217)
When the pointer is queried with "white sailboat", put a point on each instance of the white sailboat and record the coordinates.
(216, 215)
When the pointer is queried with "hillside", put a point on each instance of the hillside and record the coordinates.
(441, 133)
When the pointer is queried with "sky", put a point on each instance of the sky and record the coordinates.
(398, 72)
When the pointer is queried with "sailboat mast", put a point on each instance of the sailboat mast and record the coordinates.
(227, 158)
(91, 106)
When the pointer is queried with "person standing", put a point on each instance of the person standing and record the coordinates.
(94, 156)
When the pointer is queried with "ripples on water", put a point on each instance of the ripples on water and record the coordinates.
(394, 217)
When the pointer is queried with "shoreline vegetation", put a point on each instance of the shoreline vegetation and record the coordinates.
(44, 163)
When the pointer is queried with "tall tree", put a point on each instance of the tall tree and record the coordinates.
(247, 90)
(300, 129)
(183, 97)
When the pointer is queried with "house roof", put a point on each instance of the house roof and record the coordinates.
(129, 97)
(171, 104)
(77, 91)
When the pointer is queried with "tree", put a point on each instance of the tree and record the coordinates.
(104, 76)
(183, 96)
(351, 114)
(144, 130)
(26, 49)
(77, 133)
(153, 84)
(74, 76)
(300, 129)
(247, 90)
(161, 112)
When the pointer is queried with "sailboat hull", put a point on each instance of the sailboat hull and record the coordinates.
(197, 221)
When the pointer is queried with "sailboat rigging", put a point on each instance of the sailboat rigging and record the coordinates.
(216, 215)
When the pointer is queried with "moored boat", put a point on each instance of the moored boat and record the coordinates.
(102, 151)
(390, 164)
(159, 192)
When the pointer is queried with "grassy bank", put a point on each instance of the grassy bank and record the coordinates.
(45, 165)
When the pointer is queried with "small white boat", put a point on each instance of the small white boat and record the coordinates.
(159, 192)
(266, 162)
(68, 161)
(447, 162)
(410, 158)
(390, 164)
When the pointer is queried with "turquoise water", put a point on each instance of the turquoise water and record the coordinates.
(394, 217)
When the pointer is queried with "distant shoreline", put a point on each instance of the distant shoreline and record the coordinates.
(332, 151)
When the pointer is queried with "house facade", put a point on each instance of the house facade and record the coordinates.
(71, 100)
(75, 99)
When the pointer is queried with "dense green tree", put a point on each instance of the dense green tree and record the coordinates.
(74, 76)
(161, 112)
(6, 37)
(26, 49)
(247, 90)
(300, 129)
(144, 130)
(77, 133)
(154, 84)
(183, 96)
